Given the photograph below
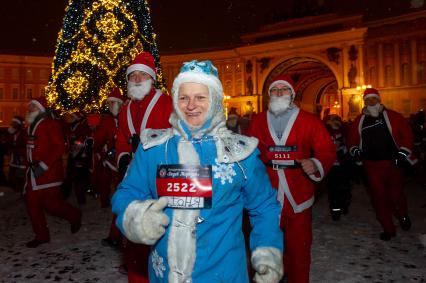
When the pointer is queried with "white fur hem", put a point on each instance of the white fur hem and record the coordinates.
(268, 256)
(132, 220)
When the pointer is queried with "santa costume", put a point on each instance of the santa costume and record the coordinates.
(283, 139)
(138, 113)
(45, 148)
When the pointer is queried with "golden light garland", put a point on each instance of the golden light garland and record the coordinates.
(113, 51)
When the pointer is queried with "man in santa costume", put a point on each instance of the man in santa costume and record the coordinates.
(147, 108)
(104, 148)
(382, 139)
(45, 147)
(17, 144)
(298, 152)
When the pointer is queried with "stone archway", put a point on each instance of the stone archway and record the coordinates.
(316, 85)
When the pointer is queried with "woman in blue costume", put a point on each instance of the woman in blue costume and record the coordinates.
(185, 191)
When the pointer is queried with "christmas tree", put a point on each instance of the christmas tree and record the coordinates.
(98, 40)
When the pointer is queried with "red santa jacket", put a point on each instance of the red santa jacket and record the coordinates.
(153, 111)
(46, 147)
(311, 140)
(105, 139)
(398, 127)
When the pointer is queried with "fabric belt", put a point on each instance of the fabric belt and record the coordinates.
(282, 166)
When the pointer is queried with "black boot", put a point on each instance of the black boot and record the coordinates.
(35, 243)
(335, 214)
(386, 236)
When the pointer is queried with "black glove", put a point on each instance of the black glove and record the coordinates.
(135, 140)
(123, 163)
(37, 170)
(355, 152)
(402, 158)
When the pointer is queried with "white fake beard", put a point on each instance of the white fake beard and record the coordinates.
(114, 108)
(374, 110)
(137, 91)
(11, 130)
(30, 117)
(279, 104)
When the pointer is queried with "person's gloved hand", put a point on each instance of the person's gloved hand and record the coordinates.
(402, 157)
(266, 274)
(355, 152)
(123, 163)
(154, 222)
(144, 222)
(38, 170)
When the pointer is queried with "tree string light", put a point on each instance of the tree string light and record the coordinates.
(97, 42)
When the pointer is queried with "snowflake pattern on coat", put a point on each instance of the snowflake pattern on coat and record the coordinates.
(158, 264)
(224, 171)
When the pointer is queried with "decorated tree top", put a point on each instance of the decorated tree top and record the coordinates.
(98, 40)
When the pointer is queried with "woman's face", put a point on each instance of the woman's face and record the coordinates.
(193, 103)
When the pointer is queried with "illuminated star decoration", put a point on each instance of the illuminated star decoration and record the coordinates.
(97, 42)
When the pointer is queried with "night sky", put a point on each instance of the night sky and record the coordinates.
(31, 27)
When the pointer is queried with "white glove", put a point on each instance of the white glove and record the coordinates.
(155, 221)
(266, 274)
(145, 222)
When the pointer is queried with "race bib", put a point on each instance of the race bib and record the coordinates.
(185, 186)
(282, 154)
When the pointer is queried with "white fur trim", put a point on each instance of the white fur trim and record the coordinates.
(116, 99)
(267, 256)
(141, 67)
(17, 121)
(38, 104)
(43, 165)
(372, 95)
(284, 83)
(181, 246)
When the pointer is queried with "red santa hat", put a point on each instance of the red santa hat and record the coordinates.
(18, 120)
(143, 62)
(115, 95)
(283, 79)
(40, 102)
(371, 92)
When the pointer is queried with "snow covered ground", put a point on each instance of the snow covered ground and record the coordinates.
(345, 251)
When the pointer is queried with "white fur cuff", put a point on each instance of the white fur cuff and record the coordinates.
(269, 257)
(132, 220)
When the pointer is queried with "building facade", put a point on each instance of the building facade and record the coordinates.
(330, 57)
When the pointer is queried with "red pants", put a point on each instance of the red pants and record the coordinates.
(297, 228)
(385, 181)
(48, 200)
(136, 259)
